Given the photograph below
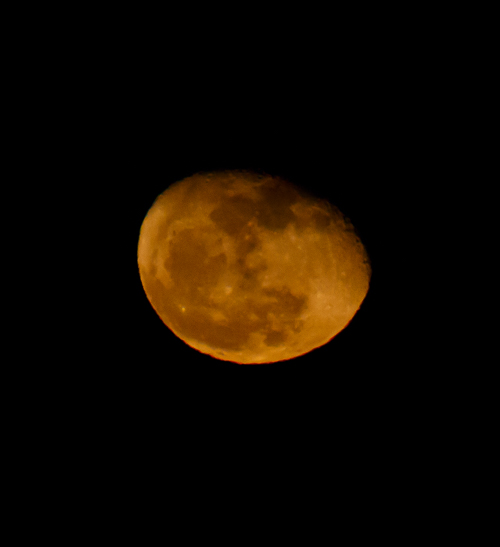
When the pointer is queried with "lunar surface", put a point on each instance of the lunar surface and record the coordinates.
(249, 268)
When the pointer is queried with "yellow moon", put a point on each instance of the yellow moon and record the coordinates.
(250, 268)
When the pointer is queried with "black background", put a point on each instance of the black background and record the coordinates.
(349, 134)
(119, 116)
(127, 109)
(359, 391)
(124, 112)
(335, 149)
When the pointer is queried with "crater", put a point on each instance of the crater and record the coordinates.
(163, 230)
(320, 220)
(199, 325)
(233, 214)
(262, 308)
(249, 281)
(153, 268)
(275, 338)
(285, 303)
(247, 243)
(279, 195)
(157, 293)
(193, 271)
(274, 206)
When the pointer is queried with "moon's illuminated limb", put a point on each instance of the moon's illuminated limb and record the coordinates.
(249, 268)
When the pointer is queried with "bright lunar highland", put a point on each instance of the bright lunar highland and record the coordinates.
(250, 268)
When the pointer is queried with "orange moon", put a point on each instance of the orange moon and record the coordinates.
(250, 268)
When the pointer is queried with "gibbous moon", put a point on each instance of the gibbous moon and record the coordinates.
(250, 268)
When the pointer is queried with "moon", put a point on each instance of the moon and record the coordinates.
(250, 268)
